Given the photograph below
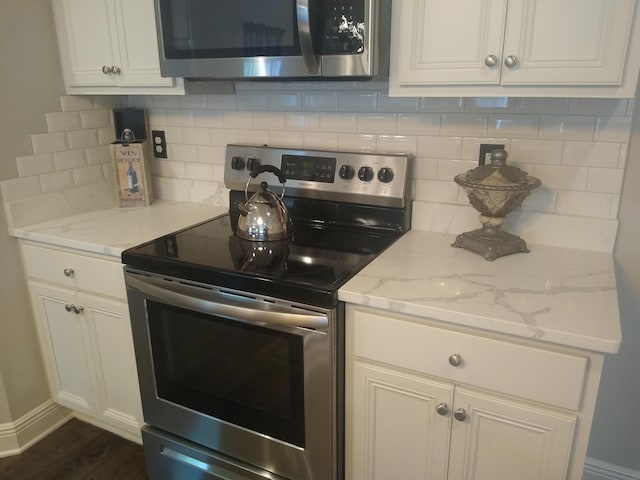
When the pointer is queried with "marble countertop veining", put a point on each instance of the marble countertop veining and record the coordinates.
(113, 230)
(552, 294)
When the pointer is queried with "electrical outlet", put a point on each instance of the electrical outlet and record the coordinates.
(159, 144)
(485, 151)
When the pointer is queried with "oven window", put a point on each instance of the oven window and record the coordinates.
(240, 373)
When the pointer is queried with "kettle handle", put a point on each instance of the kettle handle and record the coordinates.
(268, 168)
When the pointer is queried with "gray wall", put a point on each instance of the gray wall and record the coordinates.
(30, 85)
(615, 436)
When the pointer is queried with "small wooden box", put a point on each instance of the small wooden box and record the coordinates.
(132, 174)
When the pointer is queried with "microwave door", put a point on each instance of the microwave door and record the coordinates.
(236, 38)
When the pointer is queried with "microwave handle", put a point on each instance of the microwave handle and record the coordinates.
(227, 310)
(304, 35)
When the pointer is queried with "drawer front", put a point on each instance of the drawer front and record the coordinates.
(533, 373)
(88, 273)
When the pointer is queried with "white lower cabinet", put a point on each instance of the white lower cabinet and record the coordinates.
(420, 404)
(85, 337)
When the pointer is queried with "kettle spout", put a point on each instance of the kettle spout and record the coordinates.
(243, 210)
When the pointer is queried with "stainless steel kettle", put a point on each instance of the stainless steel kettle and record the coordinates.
(264, 216)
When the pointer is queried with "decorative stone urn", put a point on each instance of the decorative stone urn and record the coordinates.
(494, 190)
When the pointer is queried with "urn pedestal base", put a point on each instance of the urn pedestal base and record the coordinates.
(491, 245)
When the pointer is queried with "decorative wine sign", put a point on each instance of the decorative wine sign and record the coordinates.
(133, 179)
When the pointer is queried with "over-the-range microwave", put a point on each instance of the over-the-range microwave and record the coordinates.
(260, 39)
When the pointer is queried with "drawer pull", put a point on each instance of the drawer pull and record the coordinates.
(455, 360)
(442, 409)
(70, 307)
(68, 272)
(460, 414)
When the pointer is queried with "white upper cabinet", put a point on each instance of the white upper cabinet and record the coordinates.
(514, 48)
(110, 46)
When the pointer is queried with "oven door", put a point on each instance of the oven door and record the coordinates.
(250, 377)
(232, 39)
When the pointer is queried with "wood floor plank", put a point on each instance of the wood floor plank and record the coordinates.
(77, 451)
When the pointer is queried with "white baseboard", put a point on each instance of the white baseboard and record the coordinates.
(16, 437)
(599, 470)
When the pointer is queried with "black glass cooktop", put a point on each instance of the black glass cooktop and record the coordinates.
(309, 268)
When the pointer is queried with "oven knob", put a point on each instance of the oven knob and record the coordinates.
(346, 172)
(365, 174)
(237, 163)
(385, 175)
(252, 164)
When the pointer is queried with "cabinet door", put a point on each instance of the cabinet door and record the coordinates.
(448, 41)
(567, 42)
(503, 440)
(395, 429)
(67, 354)
(86, 41)
(113, 357)
(138, 44)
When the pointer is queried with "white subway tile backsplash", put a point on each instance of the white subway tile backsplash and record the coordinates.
(561, 177)
(489, 105)
(179, 118)
(567, 127)
(20, 187)
(35, 164)
(320, 101)
(285, 101)
(165, 101)
(237, 119)
(221, 137)
(195, 136)
(210, 154)
(544, 152)
(591, 154)
(598, 106)
(222, 102)
(170, 168)
(442, 105)
(157, 117)
(615, 206)
(302, 120)
(448, 169)
(252, 101)
(181, 153)
(586, 204)
(268, 120)
(51, 182)
(207, 118)
(358, 101)
(69, 159)
(542, 105)
(49, 142)
(338, 122)
(88, 175)
(192, 102)
(74, 103)
(96, 119)
(514, 126)
(171, 134)
(465, 124)
(256, 137)
(397, 144)
(613, 129)
(440, 147)
(605, 180)
(356, 142)
(397, 104)
(98, 155)
(377, 122)
(63, 121)
(321, 140)
(419, 123)
(286, 138)
(438, 192)
(199, 171)
(541, 200)
(106, 135)
(471, 147)
(83, 138)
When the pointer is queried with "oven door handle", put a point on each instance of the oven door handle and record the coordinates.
(225, 307)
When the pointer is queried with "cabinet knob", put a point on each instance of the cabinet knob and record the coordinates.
(115, 70)
(491, 61)
(70, 307)
(455, 360)
(511, 61)
(442, 409)
(106, 70)
(68, 272)
(460, 414)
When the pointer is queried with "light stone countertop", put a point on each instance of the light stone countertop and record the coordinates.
(113, 230)
(552, 294)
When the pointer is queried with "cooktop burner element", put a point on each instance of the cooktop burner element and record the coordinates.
(340, 223)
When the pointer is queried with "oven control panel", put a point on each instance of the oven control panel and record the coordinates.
(357, 177)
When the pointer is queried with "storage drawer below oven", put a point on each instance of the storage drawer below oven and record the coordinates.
(169, 458)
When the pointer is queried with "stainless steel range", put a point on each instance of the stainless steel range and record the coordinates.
(239, 343)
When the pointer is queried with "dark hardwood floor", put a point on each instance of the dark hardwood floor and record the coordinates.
(77, 451)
